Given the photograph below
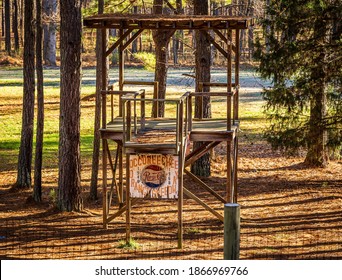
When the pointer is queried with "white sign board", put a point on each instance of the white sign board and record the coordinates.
(153, 176)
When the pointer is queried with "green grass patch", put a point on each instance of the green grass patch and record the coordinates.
(130, 245)
(11, 94)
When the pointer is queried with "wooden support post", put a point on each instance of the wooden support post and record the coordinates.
(128, 203)
(229, 191)
(231, 250)
(237, 68)
(104, 124)
(104, 183)
(181, 159)
(235, 177)
(180, 197)
(121, 70)
(229, 108)
(121, 203)
(156, 103)
(229, 79)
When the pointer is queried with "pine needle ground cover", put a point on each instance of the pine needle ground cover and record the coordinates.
(288, 211)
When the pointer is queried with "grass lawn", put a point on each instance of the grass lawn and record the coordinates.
(11, 81)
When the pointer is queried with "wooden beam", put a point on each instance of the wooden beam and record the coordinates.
(224, 39)
(229, 79)
(119, 41)
(204, 185)
(237, 82)
(212, 41)
(122, 210)
(195, 155)
(203, 204)
(171, 7)
(135, 36)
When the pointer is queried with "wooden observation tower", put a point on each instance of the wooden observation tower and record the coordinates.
(155, 168)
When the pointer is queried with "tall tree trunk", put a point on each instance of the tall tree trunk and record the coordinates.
(97, 121)
(161, 40)
(250, 12)
(25, 152)
(178, 34)
(318, 135)
(49, 46)
(69, 179)
(38, 161)
(21, 22)
(7, 26)
(2, 19)
(203, 53)
(15, 26)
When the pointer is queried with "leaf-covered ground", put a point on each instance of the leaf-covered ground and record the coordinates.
(288, 211)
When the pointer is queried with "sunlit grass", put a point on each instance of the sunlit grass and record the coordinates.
(250, 111)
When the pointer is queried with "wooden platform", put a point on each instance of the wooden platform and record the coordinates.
(163, 130)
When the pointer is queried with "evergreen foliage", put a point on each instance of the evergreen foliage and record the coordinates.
(302, 56)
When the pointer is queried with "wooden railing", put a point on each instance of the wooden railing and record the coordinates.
(231, 119)
(113, 109)
(129, 109)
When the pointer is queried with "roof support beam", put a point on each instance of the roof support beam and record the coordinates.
(135, 36)
(118, 42)
(224, 39)
(212, 41)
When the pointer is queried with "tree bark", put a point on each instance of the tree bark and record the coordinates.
(69, 180)
(7, 26)
(38, 162)
(49, 46)
(97, 121)
(318, 135)
(15, 26)
(2, 19)
(25, 152)
(161, 40)
(202, 56)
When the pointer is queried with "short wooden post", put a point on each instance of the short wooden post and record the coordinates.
(231, 248)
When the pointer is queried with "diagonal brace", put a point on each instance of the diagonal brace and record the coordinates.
(118, 42)
(201, 151)
(202, 203)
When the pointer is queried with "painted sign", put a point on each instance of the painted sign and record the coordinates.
(153, 176)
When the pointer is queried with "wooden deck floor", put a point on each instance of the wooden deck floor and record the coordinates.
(164, 130)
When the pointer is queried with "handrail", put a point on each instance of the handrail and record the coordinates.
(182, 118)
(228, 95)
(155, 85)
(232, 106)
(223, 93)
(118, 93)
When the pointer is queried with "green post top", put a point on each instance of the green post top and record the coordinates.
(231, 205)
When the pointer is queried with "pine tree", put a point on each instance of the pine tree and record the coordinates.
(302, 57)
(26, 141)
(69, 176)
